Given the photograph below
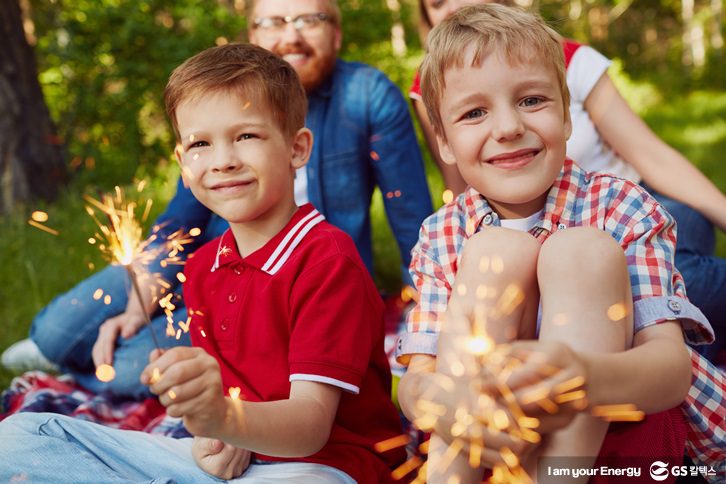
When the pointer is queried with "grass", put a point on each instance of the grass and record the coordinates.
(36, 265)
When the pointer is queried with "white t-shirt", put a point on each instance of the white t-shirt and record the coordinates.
(586, 147)
(301, 187)
(521, 224)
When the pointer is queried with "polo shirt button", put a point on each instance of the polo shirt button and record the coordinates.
(224, 325)
(674, 306)
(232, 297)
(487, 219)
(561, 226)
(237, 271)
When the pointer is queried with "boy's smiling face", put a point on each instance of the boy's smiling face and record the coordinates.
(236, 159)
(506, 130)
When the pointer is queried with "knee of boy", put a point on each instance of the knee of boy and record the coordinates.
(499, 248)
(586, 248)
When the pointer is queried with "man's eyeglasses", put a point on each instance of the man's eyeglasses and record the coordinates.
(304, 22)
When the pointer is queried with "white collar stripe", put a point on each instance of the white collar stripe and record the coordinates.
(281, 246)
(312, 223)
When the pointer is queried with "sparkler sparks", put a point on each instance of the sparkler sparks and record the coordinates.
(105, 373)
(121, 241)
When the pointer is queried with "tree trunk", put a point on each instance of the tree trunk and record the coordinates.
(31, 156)
(716, 37)
(687, 22)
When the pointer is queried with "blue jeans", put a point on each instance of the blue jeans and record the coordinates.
(66, 329)
(45, 447)
(704, 273)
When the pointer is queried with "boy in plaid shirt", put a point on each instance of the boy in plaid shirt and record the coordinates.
(533, 233)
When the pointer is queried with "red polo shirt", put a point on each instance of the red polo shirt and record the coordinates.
(302, 307)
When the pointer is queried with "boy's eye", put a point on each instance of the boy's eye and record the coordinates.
(245, 136)
(198, 144)
(531, 101)
(474, 114)
(436, 4)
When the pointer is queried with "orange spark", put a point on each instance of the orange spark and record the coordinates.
(43, 227)
(39, 216)
(105, 373)
(392, 443)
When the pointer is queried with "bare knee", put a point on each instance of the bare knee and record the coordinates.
(500, 251)
(497, 277)
(584, 280)
(585, 250)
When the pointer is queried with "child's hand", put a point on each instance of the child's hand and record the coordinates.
(550, 384)
(220, 459)
(464, 395)
(125, 325)
(189, 384)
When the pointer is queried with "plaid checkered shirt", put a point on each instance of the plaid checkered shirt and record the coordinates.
(644, 230)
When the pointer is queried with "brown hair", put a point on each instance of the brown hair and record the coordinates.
(333, 11)
(517, 35)
(245, 71)
(424, 22)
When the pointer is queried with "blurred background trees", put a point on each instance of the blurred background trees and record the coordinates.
(31, 160)
(102, 64)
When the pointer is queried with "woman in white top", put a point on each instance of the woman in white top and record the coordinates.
(608, 136)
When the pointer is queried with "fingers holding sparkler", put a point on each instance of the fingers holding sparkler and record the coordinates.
(189, 384)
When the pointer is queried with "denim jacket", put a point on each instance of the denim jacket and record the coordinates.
(363, 137)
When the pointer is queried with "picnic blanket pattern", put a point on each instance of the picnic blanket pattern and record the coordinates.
(37, 391)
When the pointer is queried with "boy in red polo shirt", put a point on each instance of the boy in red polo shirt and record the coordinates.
(287, 379)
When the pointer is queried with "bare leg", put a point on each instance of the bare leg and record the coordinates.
(586, 303)
(495, 295)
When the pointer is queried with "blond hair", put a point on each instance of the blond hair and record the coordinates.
(243, 70)
(333, 11)
(517, 35)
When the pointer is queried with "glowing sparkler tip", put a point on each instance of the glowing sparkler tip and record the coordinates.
(105, 373)
(234, 393)
(480, 345)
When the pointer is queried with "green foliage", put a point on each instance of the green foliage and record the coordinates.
(103, 65)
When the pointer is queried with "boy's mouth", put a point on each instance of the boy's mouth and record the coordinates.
(231, 185)
(514, 159)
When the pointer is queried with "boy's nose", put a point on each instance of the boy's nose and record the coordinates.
(508, 125)
(225, 159)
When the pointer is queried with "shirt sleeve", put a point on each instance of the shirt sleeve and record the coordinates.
(434, 290)
(704, 406)
(585, 69)
(649, 238)
(337, 319)
(397, 165)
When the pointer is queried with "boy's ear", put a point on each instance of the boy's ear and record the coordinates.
(179, 160)
(568, 125)
(445, 150)
(302, 145)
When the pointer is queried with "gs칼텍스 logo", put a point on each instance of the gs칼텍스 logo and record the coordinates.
(659, 471)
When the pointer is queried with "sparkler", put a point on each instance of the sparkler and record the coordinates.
(123, 241)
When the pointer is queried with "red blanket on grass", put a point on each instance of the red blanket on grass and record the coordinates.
(36, 391)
